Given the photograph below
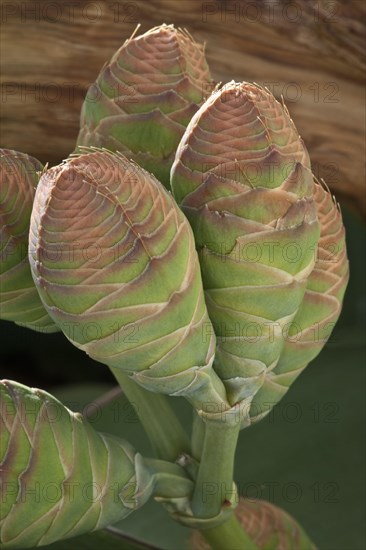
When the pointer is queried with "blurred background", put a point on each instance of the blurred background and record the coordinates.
(309, 456)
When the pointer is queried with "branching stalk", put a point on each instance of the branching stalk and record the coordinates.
(215, 476)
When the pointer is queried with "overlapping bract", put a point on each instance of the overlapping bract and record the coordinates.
(115, 263)
(242, 176)
(60, 478)
(320, 308)
(19, 300)
(145, 96)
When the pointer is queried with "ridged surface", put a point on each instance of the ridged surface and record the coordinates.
(19, 300)
(269, 527)
(320, 308)
(60, 478)
(242, 176)
(130, 293)
(145, 96)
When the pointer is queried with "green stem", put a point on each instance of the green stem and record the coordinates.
(165, 432)
(198, 436)
(214, 482)
(229, 535)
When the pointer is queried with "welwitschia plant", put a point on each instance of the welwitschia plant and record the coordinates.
(221, 292)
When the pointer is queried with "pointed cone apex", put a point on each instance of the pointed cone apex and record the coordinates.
(145, 96)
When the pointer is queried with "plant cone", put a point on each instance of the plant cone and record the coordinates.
(130, 294)
(243, 178)
(60, 478)
(19, 300)
(145, 96)
(320, 308)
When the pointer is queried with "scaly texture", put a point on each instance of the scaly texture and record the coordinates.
(114, 260)
(145, 96)
(269, 527)
(60, 478)
(19, 300)
(242, 176)
(320, 308)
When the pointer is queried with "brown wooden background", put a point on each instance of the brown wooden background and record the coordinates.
(311, 52)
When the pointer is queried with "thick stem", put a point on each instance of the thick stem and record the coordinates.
(229, 535)
(165, 432)
(214, 482)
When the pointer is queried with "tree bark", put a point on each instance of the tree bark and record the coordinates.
(311, 53)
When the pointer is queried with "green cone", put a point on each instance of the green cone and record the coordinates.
(114, 260)
(145, 96)
(242, 177)
(60, 478)
(19, 300)
(320, 309)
